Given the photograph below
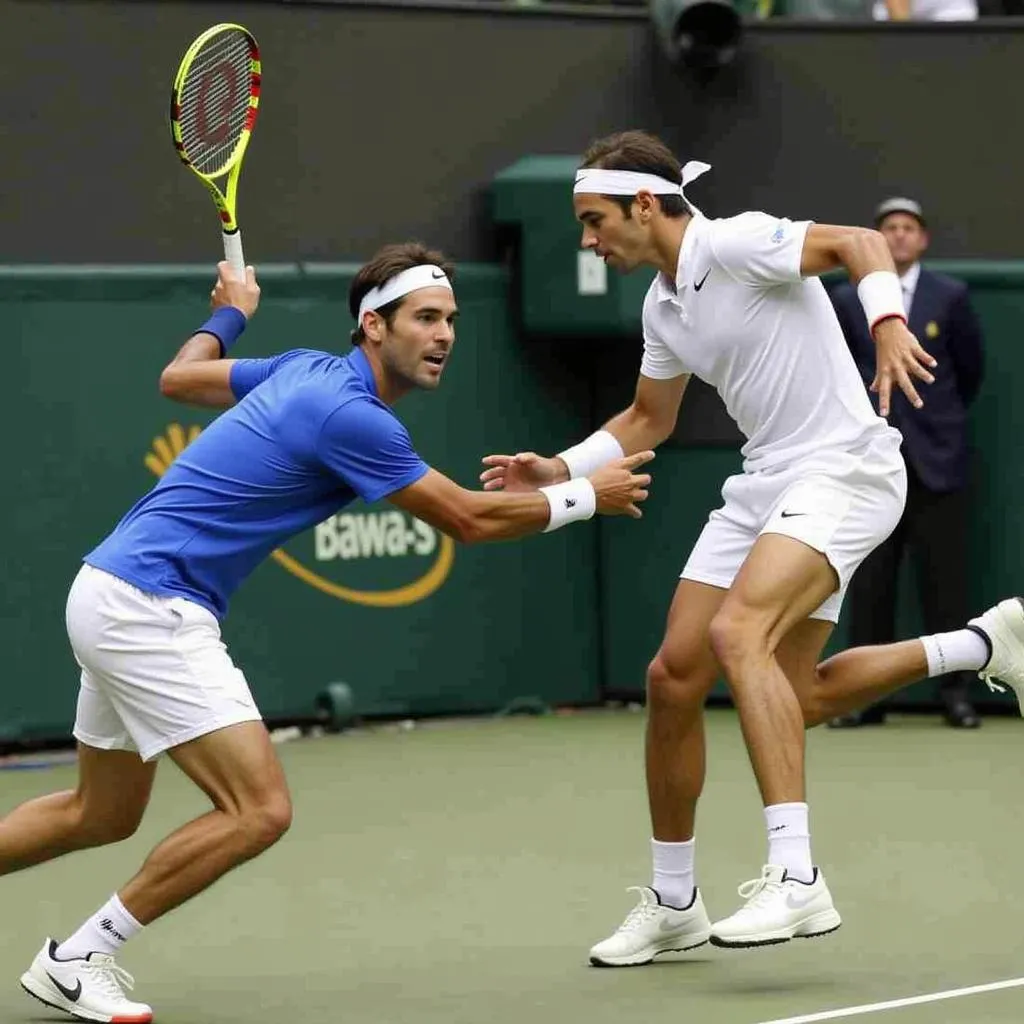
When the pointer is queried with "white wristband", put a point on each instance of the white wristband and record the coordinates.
(591, 453)
(881, 296)
(570, 501)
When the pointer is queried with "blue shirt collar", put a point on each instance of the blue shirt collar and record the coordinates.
(358, 361)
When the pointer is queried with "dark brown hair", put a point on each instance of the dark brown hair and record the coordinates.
(638, 151)
(386, 263)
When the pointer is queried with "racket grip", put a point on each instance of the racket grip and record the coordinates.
(233, 252)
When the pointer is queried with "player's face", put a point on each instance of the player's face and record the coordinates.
(906, 236)
(416, 348)
(619, 240)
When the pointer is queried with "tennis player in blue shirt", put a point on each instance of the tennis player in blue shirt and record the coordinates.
(308, 433)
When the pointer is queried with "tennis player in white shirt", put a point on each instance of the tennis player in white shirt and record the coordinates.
(737, 302)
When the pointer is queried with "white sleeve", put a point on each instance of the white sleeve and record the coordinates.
(659, 361)
(758, 249)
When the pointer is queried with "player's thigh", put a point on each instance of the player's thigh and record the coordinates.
(816, 534)
(759, 576)
(685, 666)
(239, 770)
(114, 787)
(780, 584)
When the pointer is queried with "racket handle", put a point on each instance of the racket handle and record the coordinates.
(233, 252)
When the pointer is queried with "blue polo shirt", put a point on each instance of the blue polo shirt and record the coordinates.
(308, 436)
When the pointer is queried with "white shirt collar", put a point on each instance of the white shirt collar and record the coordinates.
(909, 279)
(666, 290)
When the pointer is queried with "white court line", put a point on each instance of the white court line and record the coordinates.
(895, 1004)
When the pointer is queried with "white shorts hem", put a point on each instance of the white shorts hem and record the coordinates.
(99, 743)
(712, 581)
(154, 750)
(723, 583)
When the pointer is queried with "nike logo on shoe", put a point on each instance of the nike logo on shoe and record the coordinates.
(71, 994)
(796, 904)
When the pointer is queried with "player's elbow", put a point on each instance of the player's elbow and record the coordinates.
(171, 385)
(661, 431)
(858, 243)
(469, 522)
(467, 529)
(653, 427)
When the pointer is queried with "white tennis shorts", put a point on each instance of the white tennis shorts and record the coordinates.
(155, 672)
(843, 504)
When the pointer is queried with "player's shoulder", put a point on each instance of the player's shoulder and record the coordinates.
(314, 383)
(749, 227)
(300, 357)
(313, 370)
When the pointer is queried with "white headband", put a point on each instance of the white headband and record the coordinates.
(605, 182)
(426, 275)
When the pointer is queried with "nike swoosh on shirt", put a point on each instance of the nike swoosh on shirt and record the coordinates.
(788, 515)
(71, 994)
(700, 284)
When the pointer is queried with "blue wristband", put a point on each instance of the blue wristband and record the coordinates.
(226, 324)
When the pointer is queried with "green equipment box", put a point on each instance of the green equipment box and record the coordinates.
(563, 290)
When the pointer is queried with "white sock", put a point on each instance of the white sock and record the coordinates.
(955, 652)
(789, 840)
(105, 932)
(673, 872)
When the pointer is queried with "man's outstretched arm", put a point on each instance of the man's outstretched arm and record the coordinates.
(642, 426)
(475, 516)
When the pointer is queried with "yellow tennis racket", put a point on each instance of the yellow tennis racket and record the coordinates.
(214, 102)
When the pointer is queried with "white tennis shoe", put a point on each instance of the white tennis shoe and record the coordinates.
(91, 989)
(651, 928)
(778, 909)
(1003, 628)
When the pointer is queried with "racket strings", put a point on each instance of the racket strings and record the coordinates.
(215, 102)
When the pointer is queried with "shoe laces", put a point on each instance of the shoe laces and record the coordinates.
(644, 911)
(107, 976)
(759, 891)
(986, 678)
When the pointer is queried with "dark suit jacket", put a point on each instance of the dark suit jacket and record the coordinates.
(941, 318)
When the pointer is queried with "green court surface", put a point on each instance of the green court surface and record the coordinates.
(457, 874)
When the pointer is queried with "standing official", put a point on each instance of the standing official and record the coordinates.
(937, 452)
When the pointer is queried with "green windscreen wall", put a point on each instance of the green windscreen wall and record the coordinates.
(411, 622)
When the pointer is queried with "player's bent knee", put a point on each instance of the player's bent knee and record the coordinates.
(733, 639)
(97, 823)
(102, 828)
(266, 822)
(677, 684)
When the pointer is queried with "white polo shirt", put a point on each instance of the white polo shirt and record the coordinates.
(740, 317)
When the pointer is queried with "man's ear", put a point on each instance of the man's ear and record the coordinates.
(373, 326)
(644, 205)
